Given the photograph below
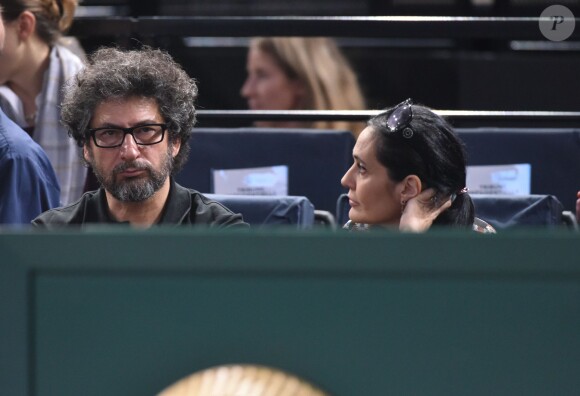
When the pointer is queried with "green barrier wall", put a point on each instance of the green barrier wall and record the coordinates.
(115, 312)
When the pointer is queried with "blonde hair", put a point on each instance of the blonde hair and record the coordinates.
(53, 17)
(318, 63)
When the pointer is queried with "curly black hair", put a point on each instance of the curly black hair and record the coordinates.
(113, 73)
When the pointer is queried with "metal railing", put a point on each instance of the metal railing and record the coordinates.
(457, 117)
(462, 28)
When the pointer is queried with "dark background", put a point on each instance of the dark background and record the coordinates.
(464, 74)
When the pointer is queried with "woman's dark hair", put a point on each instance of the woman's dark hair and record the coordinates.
(434, 153)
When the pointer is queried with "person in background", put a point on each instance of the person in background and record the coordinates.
(133, 112)
(298, 73)
(409, 173)
(28, 185)
(33, 68)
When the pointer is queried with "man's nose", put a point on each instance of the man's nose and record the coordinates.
(129, 147)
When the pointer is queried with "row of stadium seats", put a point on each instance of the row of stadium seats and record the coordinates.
(317, 159)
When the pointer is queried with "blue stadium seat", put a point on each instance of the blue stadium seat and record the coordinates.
(261, 210)
(342, 208)
(507, 211)
(554, 155)
(316, 159)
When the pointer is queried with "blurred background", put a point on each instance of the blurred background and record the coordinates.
(444, 73)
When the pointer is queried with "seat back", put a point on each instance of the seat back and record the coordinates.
(501, 211)
(506, 211)
(259, 210)
(554, 155)
(316, 159)
(342, 208)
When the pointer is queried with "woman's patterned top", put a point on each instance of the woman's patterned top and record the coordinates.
(479, 225)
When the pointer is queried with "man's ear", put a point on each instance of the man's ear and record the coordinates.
(26, 25)
(411, 186)
(86, 153)
(176, 145)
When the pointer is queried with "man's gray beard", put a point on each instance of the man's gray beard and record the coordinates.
(135, 189)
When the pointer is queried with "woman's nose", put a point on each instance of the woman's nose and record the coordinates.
(247, 88)
(346, 179)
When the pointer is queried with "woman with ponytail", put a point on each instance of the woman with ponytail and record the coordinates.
(34, 65)
(409, 173)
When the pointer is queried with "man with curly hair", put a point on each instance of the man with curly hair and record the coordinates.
(132, 113)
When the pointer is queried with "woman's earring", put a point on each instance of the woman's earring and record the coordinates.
(403, 206)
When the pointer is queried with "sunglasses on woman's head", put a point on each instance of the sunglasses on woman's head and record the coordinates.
(400, 119)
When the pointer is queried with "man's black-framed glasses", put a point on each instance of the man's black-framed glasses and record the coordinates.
(400, 119)
(144, 135)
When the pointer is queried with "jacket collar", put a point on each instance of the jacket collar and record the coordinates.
(178, 205)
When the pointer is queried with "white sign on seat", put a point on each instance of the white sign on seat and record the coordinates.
(270, 180)
(510, 179)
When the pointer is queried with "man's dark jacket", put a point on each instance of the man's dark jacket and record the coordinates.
(183, 207)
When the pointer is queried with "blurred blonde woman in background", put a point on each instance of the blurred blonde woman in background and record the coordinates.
(33, 67)
(298, 73)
